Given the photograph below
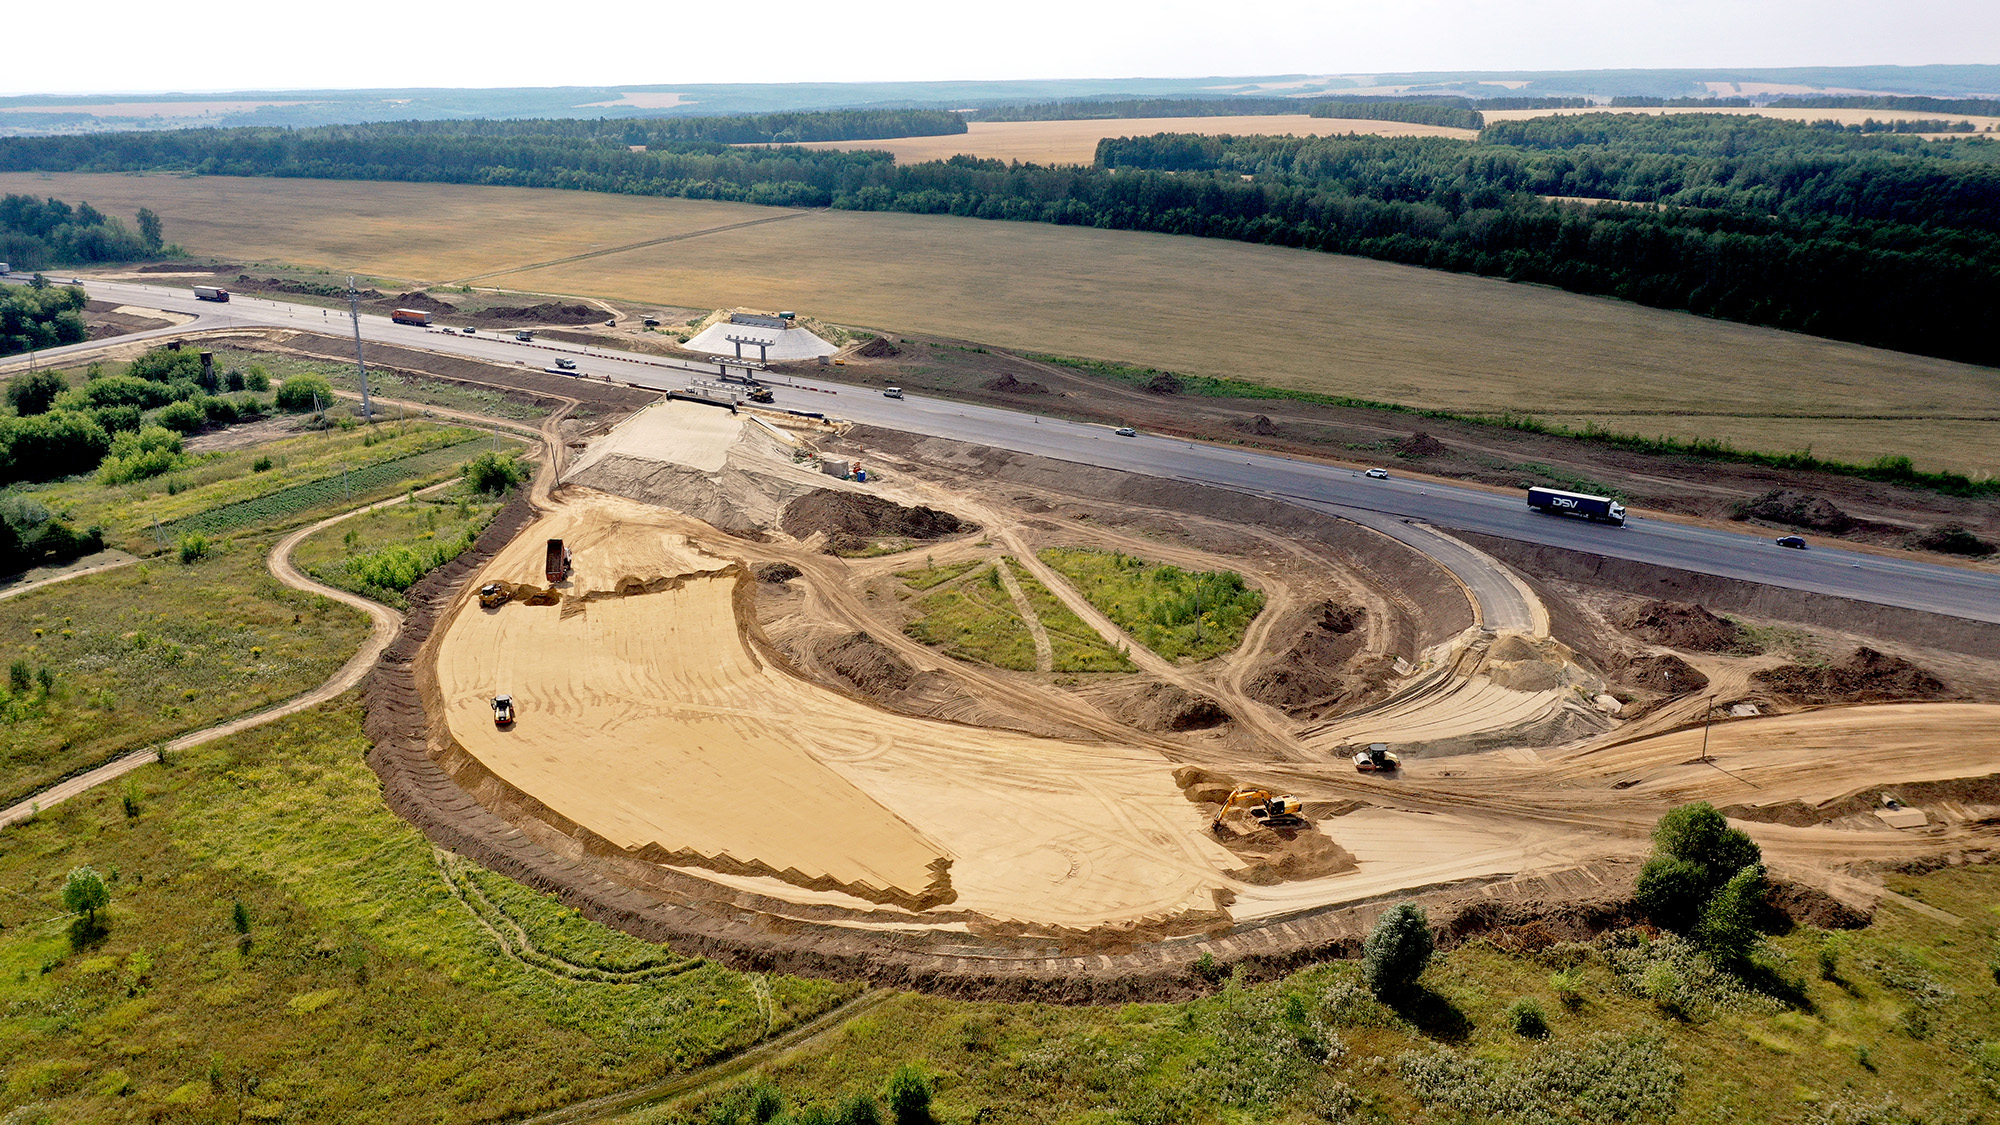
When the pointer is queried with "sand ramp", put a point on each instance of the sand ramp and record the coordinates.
(652, 722)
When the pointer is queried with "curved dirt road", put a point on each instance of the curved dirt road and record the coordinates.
(386, 622)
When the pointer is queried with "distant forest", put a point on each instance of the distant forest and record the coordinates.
(1876, 238)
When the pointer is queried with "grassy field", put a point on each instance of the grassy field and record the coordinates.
(143, 653)
(1637, 1032)
(1076, 646)
(380, 554)
(304, 477)
(390, 385)
(970, 616)
(1291, 318)
(1075, 142)
(261, 964)
(1177, 613)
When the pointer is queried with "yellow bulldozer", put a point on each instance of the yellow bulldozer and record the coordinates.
(1264, 809)
(493, 595)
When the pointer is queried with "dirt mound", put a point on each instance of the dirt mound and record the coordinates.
(1261, 425)
(548, 312)
(1007, 384)
(1167, 707)
(1164, 383)
(1950, 539)
(1683, 626)
(418, 299)
(1281, 855)
(1304, 680)
(1867, 676)
(859, 515)
(866, 663)
(1793, 508)
(878, 348)
(1664, 673)
(1421, 444)
(304, 288)
(776, 572)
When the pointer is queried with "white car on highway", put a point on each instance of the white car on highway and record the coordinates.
(1378, 474)
(1126, 431)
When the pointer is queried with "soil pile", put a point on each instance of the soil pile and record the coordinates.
(548, 312)
(1163, 383)
(1261, 425)
(1421, 444)
(1794, 508)
(418, 299)
(857, 515)
(1867, 676)
(1663, 673)
(776, 572)
(1950, 539)
(878, 348)
(1275, 854)
(1683, 626)
(1008, 385)
(305, 288)
(1168, 707)
(1304, 680)
(865, 663)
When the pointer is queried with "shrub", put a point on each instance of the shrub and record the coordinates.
(490, 472)
(137, 456)
(20, 677)
(124, 390)
(1525, 1016)
(193, 547)
(859, 1109)
(1397, 950)
(256, 380)
(261, 465)
(301, 394)
(908, 1094)
(184, 417)
(1695, 853)
(219, 411)
(50, 446)
(166, 365)
(233, 379)
(118, 419)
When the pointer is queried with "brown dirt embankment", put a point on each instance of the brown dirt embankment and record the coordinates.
(848, 519)
(1306, 679)
(1910, 626)
(1690, 628)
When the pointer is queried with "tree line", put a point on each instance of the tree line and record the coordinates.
(36, 233)
(1976, 107)
(1455, 112)
(39, 315)
(1880, 239)
(797, 128)
(1417, 113)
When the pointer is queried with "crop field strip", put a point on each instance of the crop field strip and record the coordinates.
(272, 508)
(1075, 142)
(1271, 315)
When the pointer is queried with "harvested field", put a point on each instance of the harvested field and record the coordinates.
(1193, 305)
(1782, 113)
(1075, 142)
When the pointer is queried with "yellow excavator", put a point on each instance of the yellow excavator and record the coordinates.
(1272, 812)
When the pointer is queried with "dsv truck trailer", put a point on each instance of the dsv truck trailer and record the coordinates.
(210, 293)
(1556, 502)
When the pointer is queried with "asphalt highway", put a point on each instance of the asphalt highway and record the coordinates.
(1893, 581)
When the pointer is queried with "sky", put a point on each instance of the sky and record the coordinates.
(144, 45)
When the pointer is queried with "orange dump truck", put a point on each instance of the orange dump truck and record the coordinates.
(555, 565)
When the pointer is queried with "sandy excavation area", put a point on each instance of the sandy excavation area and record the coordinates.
(713, 696)
(648, 718)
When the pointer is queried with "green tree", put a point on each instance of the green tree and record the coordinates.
(1397, 950)
(33, 394)
(1673, 892)
(860, 1109)
(1728, 928)
(84, 893)
(301, 394)
(1695, 852)
(490, 472)
(150, 231)
(184, 417)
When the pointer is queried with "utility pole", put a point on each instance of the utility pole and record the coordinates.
(360, 364)
(1707, 721)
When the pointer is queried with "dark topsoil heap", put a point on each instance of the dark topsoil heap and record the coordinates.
(865, 663)
(1664, 673)
(1867, 676)
(1304, 680)
(1683, 626)
(1793, 508)
(878, 347)
(548, 312)
(849, 516)
(1169, 707)
(1007, 384)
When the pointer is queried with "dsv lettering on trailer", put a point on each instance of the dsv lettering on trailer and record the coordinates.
(1562, 502)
